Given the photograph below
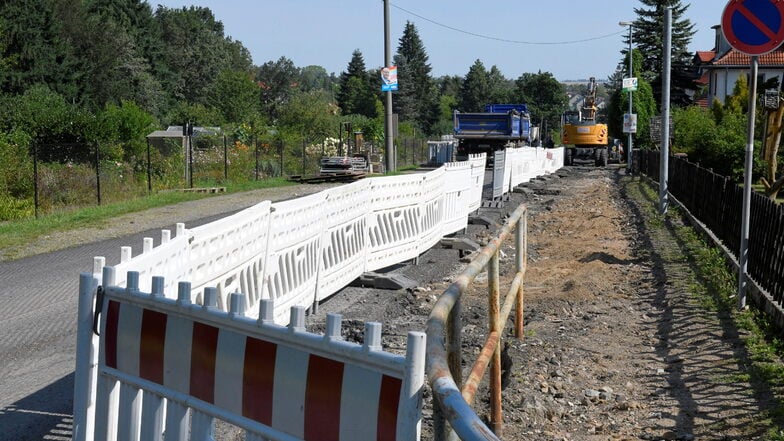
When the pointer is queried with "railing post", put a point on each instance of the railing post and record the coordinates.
(521, 248)
(493, 308)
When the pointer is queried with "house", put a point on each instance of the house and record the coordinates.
(720, 68)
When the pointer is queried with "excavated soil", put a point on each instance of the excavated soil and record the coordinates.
(615, 346)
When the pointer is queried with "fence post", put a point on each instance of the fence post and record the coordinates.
(35, 178)
(225, 159)
(149, 169)
(493, 312)
(521, 242)
(97, 173)
(282, 149)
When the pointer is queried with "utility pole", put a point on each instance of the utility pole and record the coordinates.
(389, 150)
(665, 132)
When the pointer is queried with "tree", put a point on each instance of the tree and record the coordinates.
(647, 31)
(499, 88)
(475, 91)
(278, 81)
(315, 78)
(643, 104)
(355, 95)
(235, 95)
(416, 88)
(34, 46)
(195, 51)
(310, 114)
(545, 96)
(126, 125)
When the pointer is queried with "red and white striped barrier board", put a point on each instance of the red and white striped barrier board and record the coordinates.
(278, 383)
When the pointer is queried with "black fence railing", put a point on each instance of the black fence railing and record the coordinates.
(717, 202)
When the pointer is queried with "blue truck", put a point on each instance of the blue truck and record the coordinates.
(495, 128)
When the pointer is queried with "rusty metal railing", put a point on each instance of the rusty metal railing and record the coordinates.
(443, 367)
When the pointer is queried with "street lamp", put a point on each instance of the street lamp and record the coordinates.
(629, 154)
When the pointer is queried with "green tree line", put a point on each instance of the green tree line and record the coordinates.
(109, 72)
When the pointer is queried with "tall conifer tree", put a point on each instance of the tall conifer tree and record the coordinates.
(648, 33)
(355, 95)
(417, 96)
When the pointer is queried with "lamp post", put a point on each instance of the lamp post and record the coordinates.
(629, 145)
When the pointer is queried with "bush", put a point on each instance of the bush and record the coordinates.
(14, 209)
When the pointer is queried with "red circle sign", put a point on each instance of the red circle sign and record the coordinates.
(754, 27)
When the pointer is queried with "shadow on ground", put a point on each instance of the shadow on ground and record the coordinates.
(40, 416)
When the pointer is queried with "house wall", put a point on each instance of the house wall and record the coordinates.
(722, 80)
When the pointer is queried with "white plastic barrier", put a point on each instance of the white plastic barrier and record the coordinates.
(170, 259)
(477, 183)
(306, 249)
(230, 254)
(393, 223)
(457, 194)
(167, 368)
(343, 241)
(293, 252)
(499, 170)
(431, 209)
(520, 165)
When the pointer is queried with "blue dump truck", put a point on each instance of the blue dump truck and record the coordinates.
(495, 128)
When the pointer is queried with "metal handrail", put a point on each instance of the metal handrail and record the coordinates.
(443, 365)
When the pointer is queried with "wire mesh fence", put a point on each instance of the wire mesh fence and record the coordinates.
(56, 178)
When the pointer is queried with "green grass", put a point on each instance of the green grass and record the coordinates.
(715, 289)
(19, 232)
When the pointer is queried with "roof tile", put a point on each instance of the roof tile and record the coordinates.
(735, 58)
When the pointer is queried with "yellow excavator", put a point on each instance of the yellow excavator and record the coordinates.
(581, 134)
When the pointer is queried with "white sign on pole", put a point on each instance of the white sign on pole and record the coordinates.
(629, 84)
(629, 123)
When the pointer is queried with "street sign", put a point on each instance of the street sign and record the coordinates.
(754, 27)
(629, 84)
(656, 128)
(629, 123)
(771, 99)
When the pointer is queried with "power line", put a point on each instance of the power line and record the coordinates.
(506, 40)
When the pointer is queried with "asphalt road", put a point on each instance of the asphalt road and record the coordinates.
(38, 302)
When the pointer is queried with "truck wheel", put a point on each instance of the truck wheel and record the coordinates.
(603, 158)
(568, 157)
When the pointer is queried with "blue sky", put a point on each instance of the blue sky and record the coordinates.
(325, 33)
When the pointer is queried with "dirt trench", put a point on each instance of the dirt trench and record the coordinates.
(615, 348)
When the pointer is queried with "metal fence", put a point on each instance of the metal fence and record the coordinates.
(717, 202)
(444, 347)
(67, 176)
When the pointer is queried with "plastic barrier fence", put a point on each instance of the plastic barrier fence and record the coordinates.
(230, 254)
(169, 367)
(343, 243)
(306, 249)
(477, 162)
(517, 166)
(394, 221)
(457, 196)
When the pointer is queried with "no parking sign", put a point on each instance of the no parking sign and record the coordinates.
(754, 27)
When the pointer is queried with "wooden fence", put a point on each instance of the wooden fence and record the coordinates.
(717, 202)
